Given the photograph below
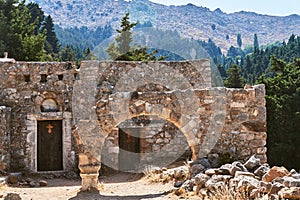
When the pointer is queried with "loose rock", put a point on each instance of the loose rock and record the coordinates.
(290, 193)
(275, 172)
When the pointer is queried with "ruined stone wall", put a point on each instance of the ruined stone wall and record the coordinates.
(107, 96)
(4, 138)
(24, 87)
(215, 121)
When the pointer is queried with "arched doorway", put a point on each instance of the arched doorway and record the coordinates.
(144, 141)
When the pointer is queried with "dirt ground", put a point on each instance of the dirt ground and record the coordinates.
(119, 186)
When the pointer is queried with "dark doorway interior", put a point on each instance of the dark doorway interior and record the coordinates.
(49, 145)
(129, 143)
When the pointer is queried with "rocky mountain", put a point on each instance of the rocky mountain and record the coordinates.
(189, 20)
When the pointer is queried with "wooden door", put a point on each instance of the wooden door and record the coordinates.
(129, 143)
(49, 145)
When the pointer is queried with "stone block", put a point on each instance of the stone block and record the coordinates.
(289, 193)
(274, 173)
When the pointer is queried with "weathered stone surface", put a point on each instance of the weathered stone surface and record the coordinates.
(252, 163)
(237, 166)
(291, 182)
(275, 172)
(122, 91)
(13, 179)
(276, 187)
(188, 185)
(211, 171)
(265, 187)
(290, 193)
(241, 173)
(200, 180)
(181, 174)
(225, 169)
(43, 183)
(12, 196)
(196, 169)
(262, 170)
(247, 183)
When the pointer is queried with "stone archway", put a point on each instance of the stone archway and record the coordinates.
(152, 142)
(114, 88)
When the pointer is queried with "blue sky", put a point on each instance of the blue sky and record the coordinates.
(270, 7)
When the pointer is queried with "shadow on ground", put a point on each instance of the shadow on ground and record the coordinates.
(96, 195)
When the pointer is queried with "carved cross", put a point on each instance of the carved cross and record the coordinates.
(49, 127)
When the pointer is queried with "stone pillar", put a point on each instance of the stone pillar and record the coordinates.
(89, 172)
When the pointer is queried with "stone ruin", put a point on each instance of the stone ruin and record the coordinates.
(125, 115)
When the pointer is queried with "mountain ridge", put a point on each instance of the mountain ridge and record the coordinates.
(190, 21)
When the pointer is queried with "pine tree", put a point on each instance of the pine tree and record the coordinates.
(283, 113)
(255, 42)
(239, 40)
(121, 49)
(234, 80)
(37, 16)
(51, 44)
(67, 54)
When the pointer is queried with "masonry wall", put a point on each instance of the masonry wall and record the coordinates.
(5, 113)
(215, 121)
(23, 88)
(197, 117)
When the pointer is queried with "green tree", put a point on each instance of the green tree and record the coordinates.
(283, 113)
(234, 78)
(51, 44)
(121, 48)
(255, 42)
(17, 34)
(239, 40)
(89, 55)
(37, 16)
(67, 54)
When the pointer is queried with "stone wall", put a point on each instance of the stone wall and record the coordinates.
(5, 113)
(29, 89)
(178, 111)
(215, 121)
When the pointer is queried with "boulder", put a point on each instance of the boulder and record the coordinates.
(241, 173)
(225, 169)
(275, 172)
(196, 169)
(276, 187)
(289, 193)
(12, 196)
(212, 185)
(32, 184)
(236, 166)
(178, 184)
(213, 160)
(262, 170)
(247, 183)
(291, 182)
(211, 171)
(188, 185)
(265, 187)
(43, 183)
(252, 163)
(203, 161)
(200, 180)
(181, 173)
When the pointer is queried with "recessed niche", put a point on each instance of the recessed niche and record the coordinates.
(49, 105)
(43, 78)
(26, 78)
(60, 77)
